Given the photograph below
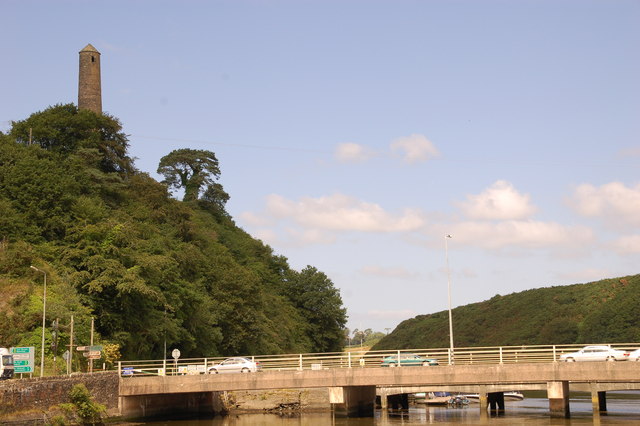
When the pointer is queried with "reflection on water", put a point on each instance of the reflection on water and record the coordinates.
(624, 408)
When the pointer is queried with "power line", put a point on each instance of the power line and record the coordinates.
(206, 142)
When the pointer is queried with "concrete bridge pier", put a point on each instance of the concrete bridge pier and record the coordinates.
(598, 400)
(178, 404)
(496, 401)
(353, 401)
(398, 401)
(558, 395)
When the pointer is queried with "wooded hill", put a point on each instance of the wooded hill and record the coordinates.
(149, 268)
(602, 311)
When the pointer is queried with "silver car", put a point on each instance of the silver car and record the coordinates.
(235, 365)
(596, 353)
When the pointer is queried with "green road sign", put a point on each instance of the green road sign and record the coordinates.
(23, 370)
(23, 359)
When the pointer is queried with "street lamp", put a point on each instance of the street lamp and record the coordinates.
(446, 254)
(44, 312)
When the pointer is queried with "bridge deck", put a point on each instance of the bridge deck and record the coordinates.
(511, 376)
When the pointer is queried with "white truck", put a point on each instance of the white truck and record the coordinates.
(6, 364)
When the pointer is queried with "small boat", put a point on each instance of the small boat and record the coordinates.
(458, 401)
(508, 396)
(433, 398)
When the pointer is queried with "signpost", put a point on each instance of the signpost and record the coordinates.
(90, 352)
(175, 354)
(23, 359)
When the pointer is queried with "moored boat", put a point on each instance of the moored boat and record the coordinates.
(508, 396)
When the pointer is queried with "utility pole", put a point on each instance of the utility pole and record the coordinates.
(70, 349)
(54, 345)
(91, 344)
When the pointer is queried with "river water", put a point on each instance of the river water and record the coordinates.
(623, 408)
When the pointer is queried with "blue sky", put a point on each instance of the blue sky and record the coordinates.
(354, 135)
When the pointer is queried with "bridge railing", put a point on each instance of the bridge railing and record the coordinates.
(364, 359)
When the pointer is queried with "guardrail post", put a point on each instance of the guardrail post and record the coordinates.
(399, 363)
(164, 365)
(500, 354)
(554, 353)
(349, 358)
(449, 356)
(300, 362)
(119, 369)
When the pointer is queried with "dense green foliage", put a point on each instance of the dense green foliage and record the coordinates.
(82, 409)
(602, 311)
(149, 268)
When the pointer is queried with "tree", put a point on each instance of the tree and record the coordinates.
(215, 198)
(67, 130)
(190, 169)
(313, 293)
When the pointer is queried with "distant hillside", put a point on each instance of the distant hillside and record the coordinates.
(602, 311)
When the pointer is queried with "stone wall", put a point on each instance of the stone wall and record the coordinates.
(38, 394)
(24, 401)
(278, 400)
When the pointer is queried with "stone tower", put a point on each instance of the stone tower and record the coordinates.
(89, 91)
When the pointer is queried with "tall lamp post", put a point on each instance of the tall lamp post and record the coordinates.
(446, 254)
(44, 312)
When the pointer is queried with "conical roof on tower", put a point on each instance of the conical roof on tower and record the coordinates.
(89, 48)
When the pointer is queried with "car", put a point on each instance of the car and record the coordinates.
(407, 359)
(596, 353)
(635, 355)
(235, 365)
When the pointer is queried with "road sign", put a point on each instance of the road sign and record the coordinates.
(175, 354)
(89, 348)
(66, 355)
(92, 354)
(23, 359)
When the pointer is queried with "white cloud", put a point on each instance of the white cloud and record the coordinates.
(253, 219)
(613, 202)
(415, 148)
(341, 213)
(501, 201)
(629, 152)
(627, 245)
(379, 271)
(521, 233)
(350, 152)
(309, 236)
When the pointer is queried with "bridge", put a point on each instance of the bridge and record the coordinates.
(354, 379)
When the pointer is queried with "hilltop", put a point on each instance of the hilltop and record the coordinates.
(152, 270)
(601, 311)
